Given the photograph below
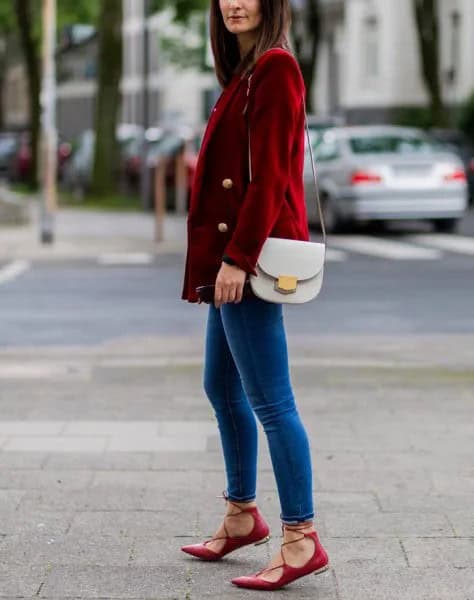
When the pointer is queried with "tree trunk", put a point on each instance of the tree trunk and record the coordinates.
(30, 48)
(427, 24)
(106, 153)
(3, 63)
(306, 36)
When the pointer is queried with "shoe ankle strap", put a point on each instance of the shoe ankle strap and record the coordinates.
(298, 528)
(241, 508)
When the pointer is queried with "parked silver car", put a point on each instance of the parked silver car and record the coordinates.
(384, 173)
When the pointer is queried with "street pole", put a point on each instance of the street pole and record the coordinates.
(144, 174)
(48, 160)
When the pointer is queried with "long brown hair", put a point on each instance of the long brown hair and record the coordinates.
(272, 33)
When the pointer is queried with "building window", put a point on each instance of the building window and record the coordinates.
(371, 50)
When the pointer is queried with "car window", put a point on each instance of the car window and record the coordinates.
(325, 148)
(392, 144)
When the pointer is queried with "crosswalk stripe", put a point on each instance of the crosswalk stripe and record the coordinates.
(452, 243)
(132, 258)
(13, 270)
(383, 248)
(333, 255)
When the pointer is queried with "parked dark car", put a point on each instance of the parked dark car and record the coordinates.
(459, 143)
(167, 143)
(78, 170)
(19, 164)
(8, 142)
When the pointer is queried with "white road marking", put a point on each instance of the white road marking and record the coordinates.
(383, 248)
(13, 270)
(44, 370)
(333, 255)
(137, 258)
(452, 243)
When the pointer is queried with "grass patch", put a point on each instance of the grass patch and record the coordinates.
(112, 202)
(22, 188)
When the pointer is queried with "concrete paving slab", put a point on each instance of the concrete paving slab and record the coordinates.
(21, 580)
(34, 521)
(462, 521)
(155, 443)
(169, 480)
(449, 483)
(55, 444)
(373, 553)
(440, 583)
(22, 460)
(434, 503)
(374, 480)
(41, 479)
(125, 582)
(424, 552)
(136, 461)
(68, 549)
(385, 455)
(10, 499)
(30, 428)
(98, 498)
(162, 524)
(388, 525)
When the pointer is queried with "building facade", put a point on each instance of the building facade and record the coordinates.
(172, 92)
(369, 67)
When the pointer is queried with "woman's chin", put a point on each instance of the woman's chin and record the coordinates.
(238, 28)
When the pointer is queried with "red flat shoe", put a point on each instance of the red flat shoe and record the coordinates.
(318, 563)
(258, 535)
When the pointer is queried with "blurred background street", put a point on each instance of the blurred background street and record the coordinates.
(110, 458)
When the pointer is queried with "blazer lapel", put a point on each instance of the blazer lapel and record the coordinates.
(216, 115)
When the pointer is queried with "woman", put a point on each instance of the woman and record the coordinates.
(246, 364)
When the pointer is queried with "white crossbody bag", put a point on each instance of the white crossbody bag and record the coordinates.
(289, 271)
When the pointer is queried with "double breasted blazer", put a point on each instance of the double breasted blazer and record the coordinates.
(228, 214)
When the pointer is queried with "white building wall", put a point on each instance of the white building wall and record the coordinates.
(457, 48)
(403, 62)
(380, 66)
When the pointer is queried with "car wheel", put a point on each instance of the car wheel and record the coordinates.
(446, 225)
(332, 220)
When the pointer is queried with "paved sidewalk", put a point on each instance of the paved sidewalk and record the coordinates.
(110, 461)
(86, 234)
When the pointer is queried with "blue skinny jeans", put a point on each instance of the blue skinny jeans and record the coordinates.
(246, 373)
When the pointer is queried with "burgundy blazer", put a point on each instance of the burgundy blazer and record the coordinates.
(227, 214)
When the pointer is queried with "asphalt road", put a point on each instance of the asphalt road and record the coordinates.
(374, 284)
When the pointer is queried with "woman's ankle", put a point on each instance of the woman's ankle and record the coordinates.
(297, 528)
(241, 504)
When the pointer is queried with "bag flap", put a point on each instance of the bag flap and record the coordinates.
(301, 259)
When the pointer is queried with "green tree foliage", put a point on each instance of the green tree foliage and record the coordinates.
(6, 24)
(23, 18)
(306, 29)
(183, 9)
(178, 47)
(26, 13)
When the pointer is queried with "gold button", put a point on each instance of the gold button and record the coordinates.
(227, 183)
(222, 227)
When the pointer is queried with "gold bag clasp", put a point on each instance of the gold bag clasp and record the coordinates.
(286, 284)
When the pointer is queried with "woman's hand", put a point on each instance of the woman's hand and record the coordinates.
(229, 284)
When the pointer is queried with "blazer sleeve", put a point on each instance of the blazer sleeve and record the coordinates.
(275, 99)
